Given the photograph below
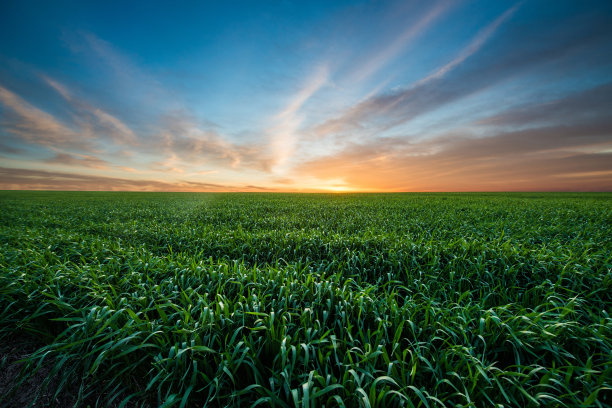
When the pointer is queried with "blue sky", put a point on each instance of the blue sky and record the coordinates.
(306, 96)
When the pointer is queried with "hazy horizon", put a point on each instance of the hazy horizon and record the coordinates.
(306, 96)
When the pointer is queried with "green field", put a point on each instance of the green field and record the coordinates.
(289, 300)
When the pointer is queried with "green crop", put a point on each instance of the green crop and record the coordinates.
(289, 300)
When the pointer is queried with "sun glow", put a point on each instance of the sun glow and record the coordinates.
(340, 186)
(339, 189)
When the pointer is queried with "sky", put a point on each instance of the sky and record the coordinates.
(306, 96)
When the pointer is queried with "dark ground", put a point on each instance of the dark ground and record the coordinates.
(11, 352)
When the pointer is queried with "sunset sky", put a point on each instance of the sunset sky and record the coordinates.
(306, 96)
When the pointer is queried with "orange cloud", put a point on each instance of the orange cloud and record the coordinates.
(575, 158)
(25, 179)
(78, 160)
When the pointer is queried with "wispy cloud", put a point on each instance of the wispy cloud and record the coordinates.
(402, 95)
(108, 125)
(283, 133)
(90, 125)
(173, 137)
(79, 160)
(558, 155)
(463, 164)
(426, 94)
(118, 130)
(126, 74)
(59, 88)
(473, 47)
(386, 54)
(17, 178)
(34, 125)
(586, 106)
(183, 142)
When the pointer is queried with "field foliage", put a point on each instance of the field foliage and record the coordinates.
(287, 300)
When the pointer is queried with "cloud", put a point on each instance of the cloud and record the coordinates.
(283, 132)
(14, 178)
(443, 171)
(568, 141)
(177, 138)
(103, 55)
(475, 45)
(172, 138)
(8, 148)
(126, 97)
(399, 103)
(563, 143)
(584, 106)
(78, 160)
(34, 125)
(283, 180)
(90, 125)
(466, 74)
(118, 130)
(59, 88)
(183, 143)
(103, 123)
(399, 43)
